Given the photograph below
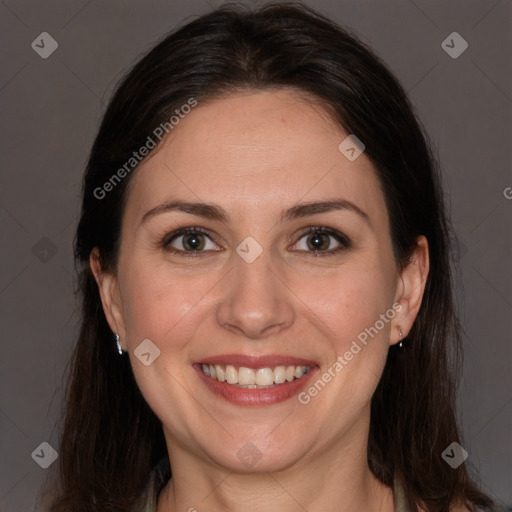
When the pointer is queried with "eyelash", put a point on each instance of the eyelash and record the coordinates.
(339, 237)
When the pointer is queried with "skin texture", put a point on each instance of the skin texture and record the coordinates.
(256, 154)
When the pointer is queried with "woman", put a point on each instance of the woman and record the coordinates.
(265, 274)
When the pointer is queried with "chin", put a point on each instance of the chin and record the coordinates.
(258, 455)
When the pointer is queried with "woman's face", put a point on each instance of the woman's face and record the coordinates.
(245, 293)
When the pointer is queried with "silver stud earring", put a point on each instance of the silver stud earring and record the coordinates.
(119, 348)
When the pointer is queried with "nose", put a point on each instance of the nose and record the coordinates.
(255, 301)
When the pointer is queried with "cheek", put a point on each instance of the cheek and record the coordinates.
(156, 303)
(363, 322)
(164, 308)
(349, 301)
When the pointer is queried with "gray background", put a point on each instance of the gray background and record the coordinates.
(50, 113)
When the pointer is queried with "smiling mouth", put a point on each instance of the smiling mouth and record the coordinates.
(258, 378)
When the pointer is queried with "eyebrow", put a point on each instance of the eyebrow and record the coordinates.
(216, 212)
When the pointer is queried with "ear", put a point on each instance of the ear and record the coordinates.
(110, 296)
(410, 290)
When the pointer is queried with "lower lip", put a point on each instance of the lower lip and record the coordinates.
(263, 396)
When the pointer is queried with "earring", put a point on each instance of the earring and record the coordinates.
(119, 348)
(400, 345)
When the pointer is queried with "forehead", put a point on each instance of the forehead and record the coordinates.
(267, 150)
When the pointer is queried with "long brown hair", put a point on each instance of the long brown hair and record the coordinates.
(111, 439)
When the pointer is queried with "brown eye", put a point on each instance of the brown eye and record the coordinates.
(318, 241)
(189, 240)
(322, 241)
(193, 241)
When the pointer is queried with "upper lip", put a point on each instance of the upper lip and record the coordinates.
(254, 362)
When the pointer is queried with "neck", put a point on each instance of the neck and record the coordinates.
(338, 480)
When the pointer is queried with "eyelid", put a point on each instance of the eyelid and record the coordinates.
(166, 240)
(324, 230)
(342, 239)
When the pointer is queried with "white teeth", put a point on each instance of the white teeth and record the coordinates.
(221, 374)
(231, 375)
(249, 378)
(246, 376)
(264, 377)
(279, 374)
